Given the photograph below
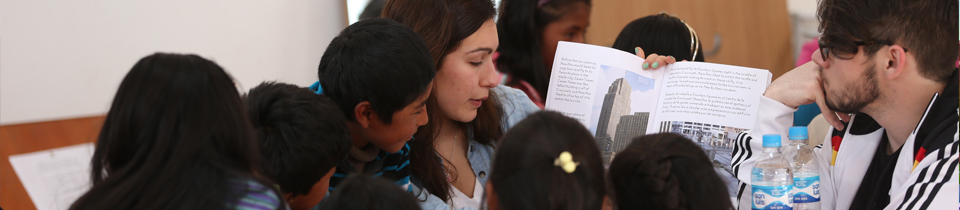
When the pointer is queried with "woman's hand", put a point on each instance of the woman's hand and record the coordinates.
(654, 61)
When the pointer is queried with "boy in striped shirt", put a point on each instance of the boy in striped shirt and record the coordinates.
(380, 74)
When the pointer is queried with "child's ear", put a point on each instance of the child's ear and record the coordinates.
(288, 197)
(363, 112)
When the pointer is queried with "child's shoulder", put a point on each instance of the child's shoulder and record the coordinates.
(404, 152)
(256, 196)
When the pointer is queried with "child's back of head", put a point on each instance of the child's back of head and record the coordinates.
(362, 192)
(662, 34)
(547, 161)
(302, 137)
(666, 171)
(176, 137)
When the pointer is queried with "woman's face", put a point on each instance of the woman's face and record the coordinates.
(467, 74)
(571, 27)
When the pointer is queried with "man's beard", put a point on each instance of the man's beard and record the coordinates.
(854, 97)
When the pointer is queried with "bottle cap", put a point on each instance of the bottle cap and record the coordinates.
(798, 133)
(771, 140)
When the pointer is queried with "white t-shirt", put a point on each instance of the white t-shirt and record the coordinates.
(459, 200)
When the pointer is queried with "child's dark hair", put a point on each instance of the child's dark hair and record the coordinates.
(666, 171)
(661, 34)
(176, 137)
(525, 176)
(362, 192)
(521, 25)
(376, 60)
(301, 135)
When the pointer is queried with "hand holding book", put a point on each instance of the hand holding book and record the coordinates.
(654, 61)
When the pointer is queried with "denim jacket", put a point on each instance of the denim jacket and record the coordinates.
(516, 106)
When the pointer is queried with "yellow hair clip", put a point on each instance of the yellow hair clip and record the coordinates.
(565, 161)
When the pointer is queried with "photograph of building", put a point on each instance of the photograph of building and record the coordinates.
(623, 112)
(630, 126)
(703, 133)
(616, 103)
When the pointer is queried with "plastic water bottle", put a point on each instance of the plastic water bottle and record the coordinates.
(772, 177)
(806, 171)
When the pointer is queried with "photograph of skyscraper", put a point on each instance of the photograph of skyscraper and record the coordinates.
(621, 114)
(630, 126)
(616, 103)
(617, 126)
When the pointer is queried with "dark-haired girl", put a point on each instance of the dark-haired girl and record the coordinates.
(529, 33)
(660, 34)
(666, 171)
(547, 161)
(177, 137)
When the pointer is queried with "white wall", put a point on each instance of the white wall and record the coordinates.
(805, 8)
(804, 23)
(65, 59)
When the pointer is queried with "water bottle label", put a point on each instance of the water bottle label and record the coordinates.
(806, 189)
(772, 197)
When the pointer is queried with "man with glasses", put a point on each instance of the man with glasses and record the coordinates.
(885, 79)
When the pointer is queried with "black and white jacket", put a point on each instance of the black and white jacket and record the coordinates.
(925, 174)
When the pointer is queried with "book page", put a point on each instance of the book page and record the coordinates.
(709, 103)
(606, 90)
(55, 178)
(597, 85)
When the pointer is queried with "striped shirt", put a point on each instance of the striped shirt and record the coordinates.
(390, 166)
(257, 197)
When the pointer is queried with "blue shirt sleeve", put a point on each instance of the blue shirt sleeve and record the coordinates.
(516, 105)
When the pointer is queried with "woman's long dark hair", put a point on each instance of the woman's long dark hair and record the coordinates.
(443, 24)
(176, 137)
(521, 26)
(666, 171)
(525, 174)
(661, 34)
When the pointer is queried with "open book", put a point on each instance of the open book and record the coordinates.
(607, 91)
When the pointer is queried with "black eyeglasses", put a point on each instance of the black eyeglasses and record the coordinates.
(825, 51)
